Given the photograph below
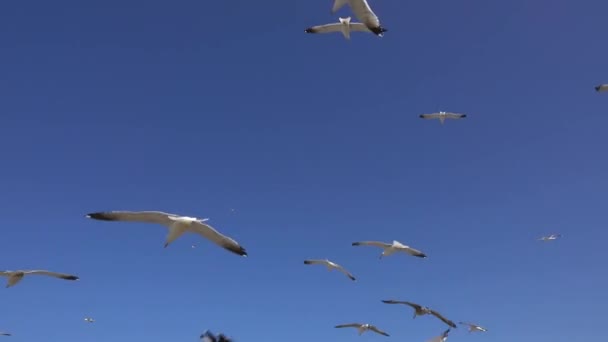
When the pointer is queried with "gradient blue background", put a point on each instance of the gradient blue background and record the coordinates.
(198, 107)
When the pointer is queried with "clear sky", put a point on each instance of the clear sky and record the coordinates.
(198, 107)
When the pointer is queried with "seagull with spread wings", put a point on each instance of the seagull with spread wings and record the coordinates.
(550, 237)
(442, 116)
(15, 276)
(344, 26)
(361, 328)
(473, 327)
(420, 310)
(89, 320)
(391, 248)
(177, 225)
(363, 12)
(330, 266)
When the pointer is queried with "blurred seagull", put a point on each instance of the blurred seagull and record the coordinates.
(442, 338)
(89, 319)
(15, 276)
(344, 26)
(330, 266)
(389, 249)
(442, 116)
(177, 225)
(362, 328)
(420, 310)
(550, 237)
(602, 87)
(473, 327)
(363, 12)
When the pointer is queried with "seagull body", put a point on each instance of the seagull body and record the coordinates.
(420, 310)
(177, 225)
(442, 116)
(15, 277)
(601, 87)
(550, 237)
(473, 327)
(330, 266)
(391, 248)
(363, 12)
(361, 328)
(344, 26)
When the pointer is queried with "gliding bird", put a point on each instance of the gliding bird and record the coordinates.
(330, 266)
(473, 327)
(389, 249)
(550, 237)
(442, 116)
(344, 26)
(420, 310)
(361, 328)
(15, 277)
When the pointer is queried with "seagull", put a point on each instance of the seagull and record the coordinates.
(89, 319)
(442, 116)
(177, 225)
(362, 328)
(474, 327)
(363, 12)
(420, 310)
(389, 249)
(15, 276)
(550, 237)
(330, 266)
(344, 26)
(5, 334)
(602, 87)
(442, 338)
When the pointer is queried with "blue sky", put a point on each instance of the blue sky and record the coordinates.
(197, 107)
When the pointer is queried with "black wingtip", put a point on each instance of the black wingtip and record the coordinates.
(71, 277)
(309, 30)
(355, 244)
(463, 116)
(378, 31)
(238, 250)
(99, 216)
(421, 255)
(597, 88)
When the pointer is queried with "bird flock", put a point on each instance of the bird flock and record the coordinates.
(177, 225)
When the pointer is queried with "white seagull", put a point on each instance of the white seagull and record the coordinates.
(177, 225)
(363, 12)
(89, 319)
(15, 276)
(602, 87)
(473, 327)
(550, 237)
(442, 116)
(441, 338)
(420, 310)
(389, 249)
(362, 328)
(344, 26)
(330, 266)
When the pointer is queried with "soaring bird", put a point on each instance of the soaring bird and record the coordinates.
(330, 266)
(389, 249)
(601, 87)
(442, 116)
(363, 12)
(15, 276)
(550, 237)
(344, 26)
(420, 310)
(177, 225)
(441, 338)
(473, 327)
(89, 320)
(362, 328)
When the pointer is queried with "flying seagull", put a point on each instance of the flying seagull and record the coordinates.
(550, 237)
(442, 116)
(344, 26)
(389, 249)
(602, 87)
(473, 327)
(177, 225)
(89, 319)
(420, 310)
(362, 328)
(363, 12)
(330, 266)
(15, 276)
(441, 338)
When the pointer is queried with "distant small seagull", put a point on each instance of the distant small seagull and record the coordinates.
(89, 319)
(550, 237)
(389, 249)
(420, 310)
(473, 327)
(5, 334)
(344, 26)
(363, 12)
(442, 338)
(362, 328)
(330, 266)
(442, 116)
(602, 87)
(177, 225)
(15, 276)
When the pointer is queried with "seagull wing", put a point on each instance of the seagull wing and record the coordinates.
(335, 27)
(364, 13)
(5, 273)
(349, 325)
(413, 305)
(455, 115)
(445, 320)
(315, 262)
(337, 5)
(343, 270)
(360, 27)
(371, 243)
(415, 252)
(158, 217)
(375, 329)
(429, 116)
(216, 237)
(53, 274)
